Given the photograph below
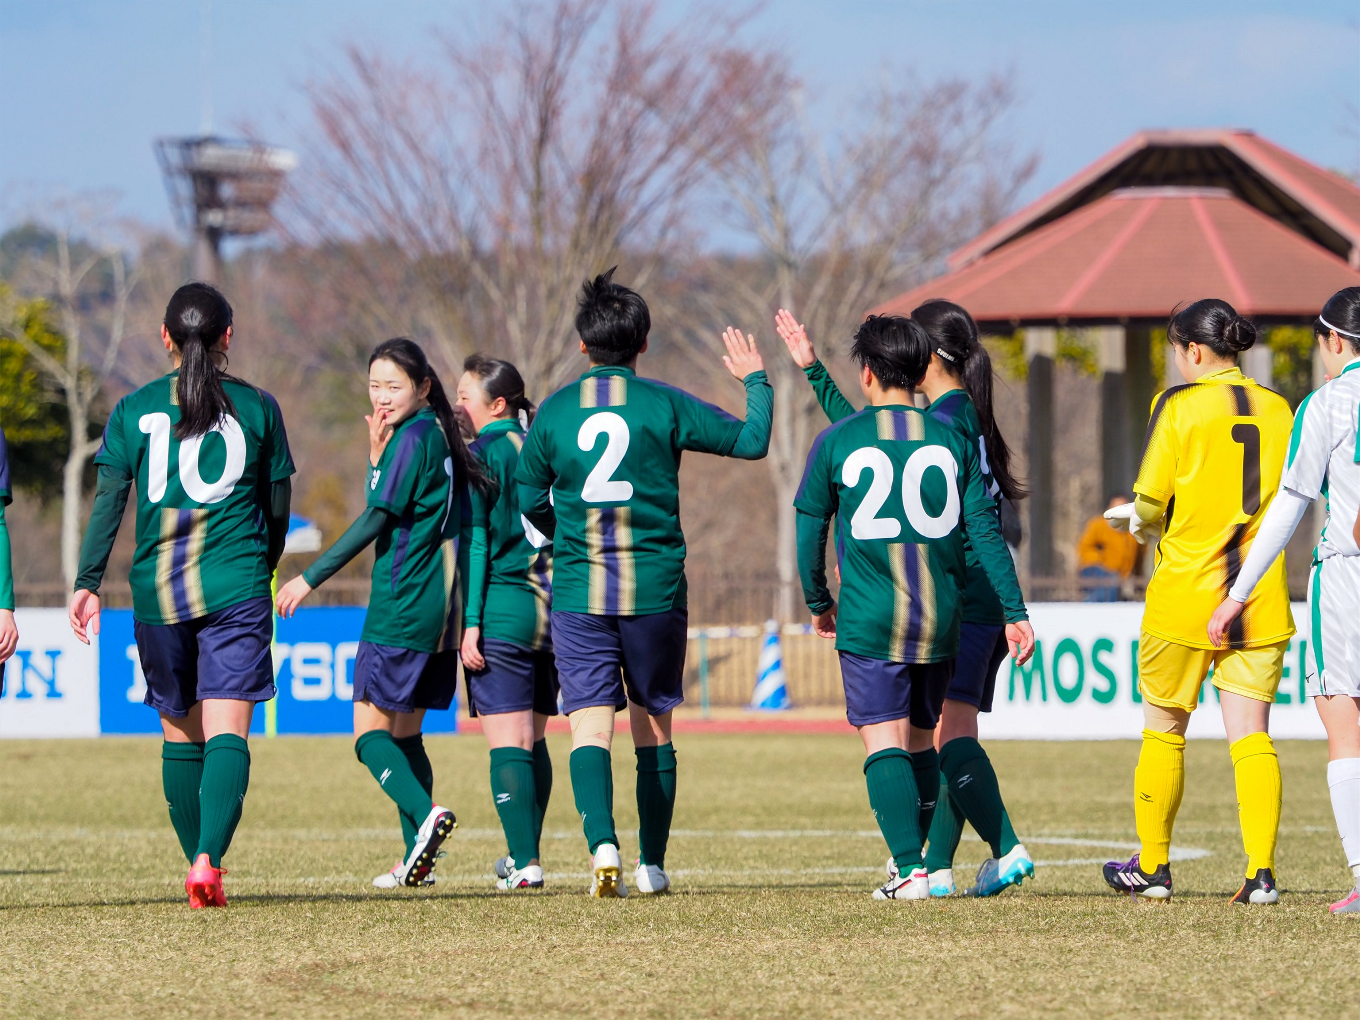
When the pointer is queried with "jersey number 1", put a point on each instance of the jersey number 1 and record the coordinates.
(157, 426)
(1249, 437)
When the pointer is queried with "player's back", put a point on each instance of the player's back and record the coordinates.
(1214, 455)
(895, 478)
(1336, 405)
(201, 537)
(611, 444)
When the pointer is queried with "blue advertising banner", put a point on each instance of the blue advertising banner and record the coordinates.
(313, 671)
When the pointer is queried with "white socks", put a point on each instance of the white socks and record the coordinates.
(1343, 777)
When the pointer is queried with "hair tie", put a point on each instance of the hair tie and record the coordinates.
(947, 357)
(524, 419)
(1337, 329)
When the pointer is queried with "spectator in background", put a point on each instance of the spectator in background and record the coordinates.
(1106, 555)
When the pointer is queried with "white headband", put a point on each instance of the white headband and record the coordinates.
(1337, 329)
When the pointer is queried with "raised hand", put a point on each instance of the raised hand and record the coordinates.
(379, 434)
(795, 338)
(741, 358)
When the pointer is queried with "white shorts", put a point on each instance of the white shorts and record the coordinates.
(1334, 627)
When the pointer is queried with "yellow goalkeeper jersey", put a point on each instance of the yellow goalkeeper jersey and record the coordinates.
(1215, 451)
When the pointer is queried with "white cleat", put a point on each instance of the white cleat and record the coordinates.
(392, 879)
(942, 882)
(650, 880)
(606, 873)
(915, 886)
(528, 877)
(429, 837)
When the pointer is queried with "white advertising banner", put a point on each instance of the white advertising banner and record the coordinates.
(51, 682)
(1082, 683)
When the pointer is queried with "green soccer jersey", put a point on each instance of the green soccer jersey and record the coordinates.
(413, 601)
(954, 409)
(518, 573)
(201, 536)
(904, 490)
(608, 447)
(6, 572)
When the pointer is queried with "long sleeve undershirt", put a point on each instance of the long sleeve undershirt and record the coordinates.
(753, 442)
(1282, 517)
(812, 532)
(6, 568)
(476, 562)
(110, 500)
(829, 395)
(357, 537)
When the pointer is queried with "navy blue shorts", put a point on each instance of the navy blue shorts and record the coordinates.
(648, 650)
(514, 679)
(982, 650)
(224, 654)
(403, 680)
(879, 691)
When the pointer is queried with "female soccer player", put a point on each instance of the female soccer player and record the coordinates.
(507, 647)
(407, 661)
(1322, 459)
(210, 458)
(905, 489)
(958, 384)
(9, 634)
(1214, 453)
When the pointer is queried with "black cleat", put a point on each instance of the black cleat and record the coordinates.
(1132, 879)
(1259, 890)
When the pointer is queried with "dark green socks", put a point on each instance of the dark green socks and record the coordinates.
(946, 829)
(181, 776)
(893, 797)
(592, 784)
(222, 791)
(378, 750)
(414, 749)
(543, 778)
(512, 788)
(973, 786)
(655, 801)
(925, 769)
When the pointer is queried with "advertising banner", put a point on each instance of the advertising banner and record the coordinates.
(1082, 683)
(313, 671)
(51, 682)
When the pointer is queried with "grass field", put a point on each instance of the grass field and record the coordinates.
(774, 857)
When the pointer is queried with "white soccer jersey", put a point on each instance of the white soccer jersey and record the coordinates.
(1322, 459)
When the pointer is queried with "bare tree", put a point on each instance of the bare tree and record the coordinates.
(844, 218)
(89, 286)
(570, 139)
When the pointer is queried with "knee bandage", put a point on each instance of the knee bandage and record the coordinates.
(1161, 719)
(592, 727)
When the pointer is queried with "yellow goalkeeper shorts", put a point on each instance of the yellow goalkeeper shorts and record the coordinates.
(1170, 674)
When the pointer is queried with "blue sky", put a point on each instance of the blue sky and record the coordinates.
(87, 84)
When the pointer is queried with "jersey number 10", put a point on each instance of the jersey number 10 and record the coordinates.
(157, 426)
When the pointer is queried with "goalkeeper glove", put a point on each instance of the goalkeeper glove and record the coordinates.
(1125, 518)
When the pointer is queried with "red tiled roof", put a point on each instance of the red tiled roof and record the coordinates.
(1138, 252)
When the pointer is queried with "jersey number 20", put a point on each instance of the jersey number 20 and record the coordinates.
(157, 426)
(866, 524)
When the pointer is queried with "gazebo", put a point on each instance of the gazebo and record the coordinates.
(1166, 218)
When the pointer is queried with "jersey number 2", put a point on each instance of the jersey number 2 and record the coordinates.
(157, 426)
(601, 486)
(1249, 437)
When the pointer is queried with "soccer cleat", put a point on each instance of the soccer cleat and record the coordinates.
(204, 885)
(606, 876)
(915, 885)
(392, 879)
(942, 882)
(528, 877)
(650, 880)
(431, 835)
(997, 875)
(503, 866)
(1350, 905)
(1132, 879)
(1259, 890)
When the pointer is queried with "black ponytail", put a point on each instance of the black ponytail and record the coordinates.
(197, 318)
(954, 337)
(895, 349)
(1342, 314)
(407, 355)
(501, 379)
(1211, 323)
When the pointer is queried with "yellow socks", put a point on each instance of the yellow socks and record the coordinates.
(1158, 782)
(1257, 768)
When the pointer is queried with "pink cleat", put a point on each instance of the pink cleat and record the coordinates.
(1350, 905)
(204, 885)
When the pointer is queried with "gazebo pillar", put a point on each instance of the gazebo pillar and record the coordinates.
(1116, 431)
(1259, 362)
(1041, 348)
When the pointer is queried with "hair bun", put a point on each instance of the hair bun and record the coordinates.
(1240, 334)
